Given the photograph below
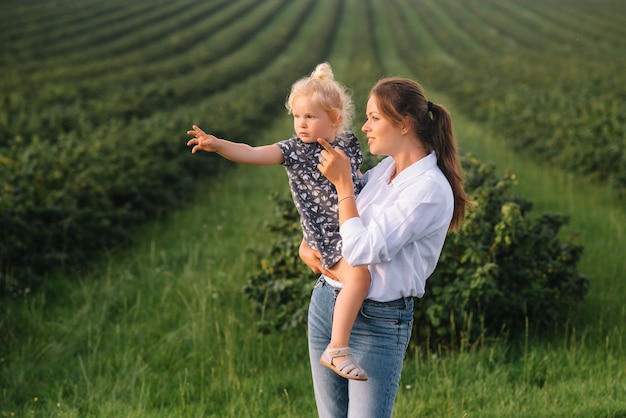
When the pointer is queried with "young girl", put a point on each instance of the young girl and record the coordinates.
(321, 108)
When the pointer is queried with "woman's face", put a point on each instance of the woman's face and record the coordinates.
(382, 136)
(310, 121)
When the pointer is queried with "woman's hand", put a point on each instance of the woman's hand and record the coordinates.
(335, 166)
(202, 140)
(313, 259)
(310, 257)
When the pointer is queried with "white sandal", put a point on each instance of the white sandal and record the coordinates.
(348, 368)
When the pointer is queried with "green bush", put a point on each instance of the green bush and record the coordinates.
(501, 269)
(64, 201)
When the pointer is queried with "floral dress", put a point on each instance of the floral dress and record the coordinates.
(314, 195)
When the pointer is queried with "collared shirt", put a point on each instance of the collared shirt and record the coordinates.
(401, 228)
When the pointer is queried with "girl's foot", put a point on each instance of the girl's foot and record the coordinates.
(347, 368)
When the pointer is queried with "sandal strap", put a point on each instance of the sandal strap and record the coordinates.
(338, 352)
(350, 367)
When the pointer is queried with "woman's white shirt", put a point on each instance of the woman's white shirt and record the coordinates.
(401, 228)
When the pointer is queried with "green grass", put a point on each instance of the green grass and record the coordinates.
(162, 329)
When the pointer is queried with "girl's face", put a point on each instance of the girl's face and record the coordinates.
(310, 121)
(382, 136)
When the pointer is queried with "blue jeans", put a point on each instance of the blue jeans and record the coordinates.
(379, 340)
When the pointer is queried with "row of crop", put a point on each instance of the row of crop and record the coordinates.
(65, 200)
(603, 20)
(445, 31)
(33, 18)
(520, 27)
(394, 26)
(61, 107)
(141, 54)
(186, 39)
(563, 28)
(467, 28)
(353, 55)
(565, 109)
(580, 128)
(469, 18)
(143, 43)
(88, 28)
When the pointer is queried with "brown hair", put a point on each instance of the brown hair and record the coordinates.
(332, 96)
(399, 98)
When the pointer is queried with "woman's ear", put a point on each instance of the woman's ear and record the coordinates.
(406, 125)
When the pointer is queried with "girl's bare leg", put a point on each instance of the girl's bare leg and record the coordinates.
(356, 284)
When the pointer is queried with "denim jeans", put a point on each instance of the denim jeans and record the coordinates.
(379, 340)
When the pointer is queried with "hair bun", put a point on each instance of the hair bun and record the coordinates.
(323, 72)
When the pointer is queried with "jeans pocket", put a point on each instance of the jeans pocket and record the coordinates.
(388, 312)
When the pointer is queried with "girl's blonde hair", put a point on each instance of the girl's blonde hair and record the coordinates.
(332, 96)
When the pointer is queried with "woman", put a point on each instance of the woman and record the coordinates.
(397, 227)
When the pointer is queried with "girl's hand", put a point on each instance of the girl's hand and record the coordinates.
(202, 141)
(335, 166)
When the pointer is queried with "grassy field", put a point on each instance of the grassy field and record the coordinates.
(163, 329)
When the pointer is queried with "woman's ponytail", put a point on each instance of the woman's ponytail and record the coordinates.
(444, 145)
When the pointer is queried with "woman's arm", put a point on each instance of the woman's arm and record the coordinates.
(234, 151)
(335, 165)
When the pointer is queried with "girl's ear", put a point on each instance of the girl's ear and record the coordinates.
(337, 121)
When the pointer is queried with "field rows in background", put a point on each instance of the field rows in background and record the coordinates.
(167, 53)
(502, 27)
(133, 79)
(65, 28)
(29, 24)
(111, 75)
(90, 29)
(75, 174)
(561, 100)
(154, 48)
(353, 56)
(101, 63)
(176, 81)
(211, 78)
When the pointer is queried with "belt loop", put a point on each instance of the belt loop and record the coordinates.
(334, 289)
